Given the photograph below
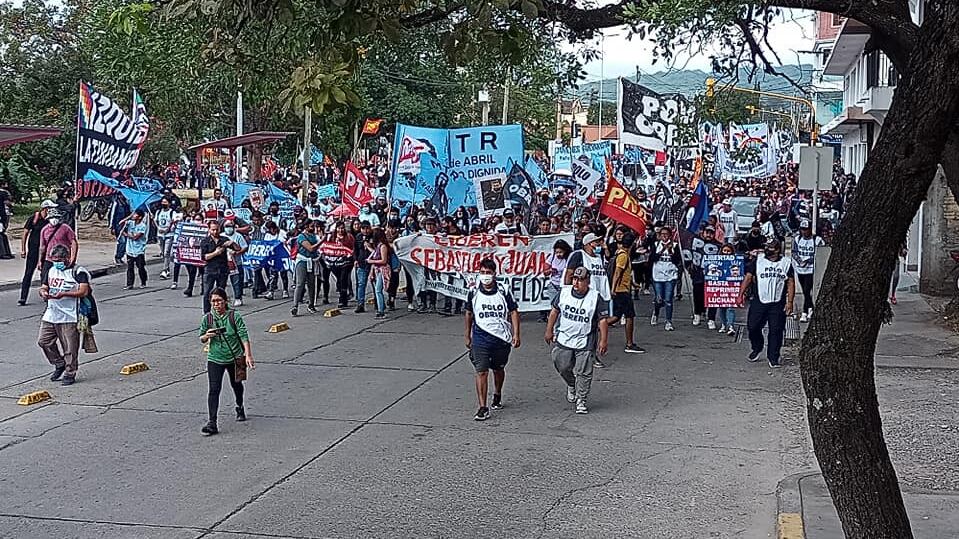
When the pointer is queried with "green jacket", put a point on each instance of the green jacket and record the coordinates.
(228, 346)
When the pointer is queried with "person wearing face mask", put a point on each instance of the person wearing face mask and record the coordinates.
(491, 332)
(235, 262)
(214, 250)
(702, 245)
(804, 264)
(30, 247)
(56, 233)
(772, 300)
(307, 253)
(462, 221)
(164, 222)
(135, 231)
(59, 337)
(367, 216)
(666, 259)
(590, 257)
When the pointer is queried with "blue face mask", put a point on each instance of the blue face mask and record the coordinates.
(60, 266)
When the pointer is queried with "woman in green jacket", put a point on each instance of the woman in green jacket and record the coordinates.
(225, 332)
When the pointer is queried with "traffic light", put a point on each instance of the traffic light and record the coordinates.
(710, 87)
(751, 109)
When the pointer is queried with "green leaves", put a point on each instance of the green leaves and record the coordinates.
(131, 18)
(320, 86)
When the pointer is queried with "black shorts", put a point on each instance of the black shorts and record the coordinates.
(623, 305)
(485, 358)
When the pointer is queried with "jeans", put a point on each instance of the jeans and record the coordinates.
(214, 372)
(211, 280)
(166, 251)
(378, 287)
(805, 282)
(727, 316)
(236, 279)
(664, 297)
(362, 277)
(191, 275)
(759, 314)
(305, 282)
(140, 262)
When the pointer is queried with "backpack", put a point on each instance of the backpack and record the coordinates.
(87, 305)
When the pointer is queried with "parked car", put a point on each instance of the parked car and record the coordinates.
(745, 208)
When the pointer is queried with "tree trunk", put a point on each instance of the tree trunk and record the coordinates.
(837, 358)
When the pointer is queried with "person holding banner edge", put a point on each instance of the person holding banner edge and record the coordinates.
(492, 330)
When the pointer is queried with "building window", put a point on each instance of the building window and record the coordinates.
(836, 20)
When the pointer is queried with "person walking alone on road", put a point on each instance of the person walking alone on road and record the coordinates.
(772, 300)
(492, 331)
(578, 328)
(230, 351)
(30, 247)
(135, 232)
(804, 264)
(59, 337)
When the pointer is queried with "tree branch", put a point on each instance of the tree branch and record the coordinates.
(757, 52)
(429, 16)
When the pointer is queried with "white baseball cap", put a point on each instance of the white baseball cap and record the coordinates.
(47, 204)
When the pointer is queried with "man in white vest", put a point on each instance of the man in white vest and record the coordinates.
(772, 300)
(492, 331)
(578, 328)
(591, 257)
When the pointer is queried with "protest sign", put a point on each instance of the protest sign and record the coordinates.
(186, 243)
(442, 165)
(270, 254)
(724, 276)
(490, 194)
(326, 191)
(585, 179)
(243, 214)
(450, 265)
(108, 140)
(256, 198)
(595, 154)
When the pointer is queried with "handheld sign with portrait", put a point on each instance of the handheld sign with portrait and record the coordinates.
(724, 275)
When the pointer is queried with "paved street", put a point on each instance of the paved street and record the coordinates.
(361, 428)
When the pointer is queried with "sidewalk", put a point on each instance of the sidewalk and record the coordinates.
(97, 257)
(915, 360)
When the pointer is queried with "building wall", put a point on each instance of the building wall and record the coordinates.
(827, 25)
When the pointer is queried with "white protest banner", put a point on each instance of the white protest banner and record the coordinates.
(585, 178)
(490, 194)
(449, 265)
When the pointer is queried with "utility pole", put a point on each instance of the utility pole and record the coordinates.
(509, 72)
(637, 75)
(483, 98)
(307, 153)
(239, 131)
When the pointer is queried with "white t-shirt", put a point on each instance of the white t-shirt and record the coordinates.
(598, 278)
(804, 254)
(64, 310)
(576, 316)
(771, 277)
(164, 220)
(663, 269)
(728, 220)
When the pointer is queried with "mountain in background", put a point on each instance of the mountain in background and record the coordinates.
(693, 81)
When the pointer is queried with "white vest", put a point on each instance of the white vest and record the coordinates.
(804, 252)
(598, 278)
(575, 321)
(491, 313)
(63, 310)
(771, 278)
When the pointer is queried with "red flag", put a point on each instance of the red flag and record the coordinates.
(354, 189)
(619, 205)
(372, 126)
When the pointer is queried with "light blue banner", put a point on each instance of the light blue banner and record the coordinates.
(441, 165)
(135, 197)
(326, 191)
(596, 152)
(540, 179)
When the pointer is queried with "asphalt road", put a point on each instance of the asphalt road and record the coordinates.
(362, 428)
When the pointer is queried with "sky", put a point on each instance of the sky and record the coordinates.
(623, 55)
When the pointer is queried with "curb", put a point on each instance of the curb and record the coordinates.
(95, 273)
(789, 518)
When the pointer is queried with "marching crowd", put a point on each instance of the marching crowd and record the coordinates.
(594, 282)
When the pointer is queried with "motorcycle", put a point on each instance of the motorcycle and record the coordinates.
(99, 206)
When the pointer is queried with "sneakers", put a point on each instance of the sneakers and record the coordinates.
(68, 380)
(653, 320)
(754, 356)
(804, 318)
(142, 286)
(128, 287)
(679, 297)
(697, 319)
(581, 407)
(722, 329)
(446, 312)
(669, 326)
(21, 302)
(570, 394)
(598, 364)
(238, 302)
(391, 305)
(633, 349)
(57, 373)
(268, 296)
(240, 414)
(312, 309)
(173, 286)
(293, 312)
(497, 402)
(286, 294)
(359, 309)
(380, 316)
(772, 365)
(411, 307)
(164, 275)
(711, 325)
(423, 309)
(482, 414)
(210, 428)
(731, 331)
(188, 293)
